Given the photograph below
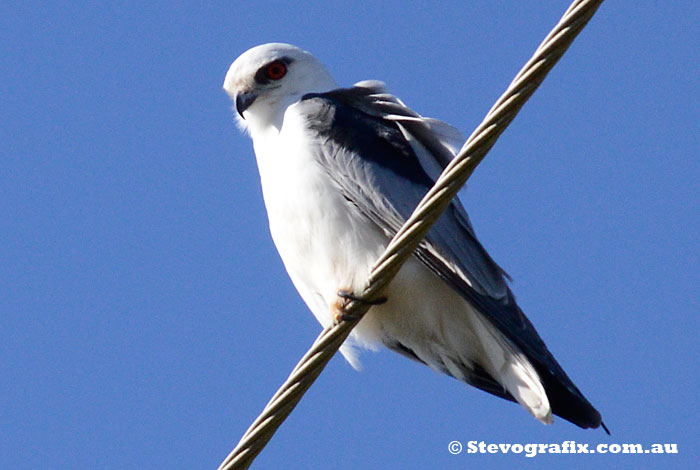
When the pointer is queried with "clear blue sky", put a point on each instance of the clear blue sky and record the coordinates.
(146, 318)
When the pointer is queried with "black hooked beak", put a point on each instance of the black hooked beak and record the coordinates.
(243, 102)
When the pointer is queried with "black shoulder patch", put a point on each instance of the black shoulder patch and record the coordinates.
(373, 138)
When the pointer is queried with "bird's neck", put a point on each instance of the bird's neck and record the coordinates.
(266, 119)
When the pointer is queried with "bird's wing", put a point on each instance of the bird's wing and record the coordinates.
(384, 157)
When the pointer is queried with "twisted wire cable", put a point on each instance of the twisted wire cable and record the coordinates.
(416, 227)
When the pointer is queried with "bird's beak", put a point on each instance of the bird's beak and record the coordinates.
(243, 101)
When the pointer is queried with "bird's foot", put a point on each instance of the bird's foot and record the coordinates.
(344, 298)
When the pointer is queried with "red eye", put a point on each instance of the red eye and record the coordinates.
(275, 70)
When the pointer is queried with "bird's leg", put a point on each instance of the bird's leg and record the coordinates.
(344, 298)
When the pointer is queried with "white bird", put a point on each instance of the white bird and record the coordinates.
(341, 170)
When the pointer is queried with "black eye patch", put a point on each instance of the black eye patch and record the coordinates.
(272, 71)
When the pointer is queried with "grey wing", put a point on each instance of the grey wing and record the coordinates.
(384, 157)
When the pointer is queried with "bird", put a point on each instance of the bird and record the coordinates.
(341, 169)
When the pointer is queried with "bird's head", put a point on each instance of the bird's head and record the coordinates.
(266, 79)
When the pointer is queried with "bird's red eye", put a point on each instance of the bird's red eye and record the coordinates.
(275, 70)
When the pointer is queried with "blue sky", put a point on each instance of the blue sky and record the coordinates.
(146, 318)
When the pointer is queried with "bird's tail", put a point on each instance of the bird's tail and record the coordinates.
(543, 389)
(511, 368)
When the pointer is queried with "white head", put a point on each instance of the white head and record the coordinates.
(266, 79)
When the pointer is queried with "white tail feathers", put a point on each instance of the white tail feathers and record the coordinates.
(511, 368)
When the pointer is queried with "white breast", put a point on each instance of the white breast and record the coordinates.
(324, 242)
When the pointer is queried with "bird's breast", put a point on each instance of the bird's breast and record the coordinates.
(323, 240)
